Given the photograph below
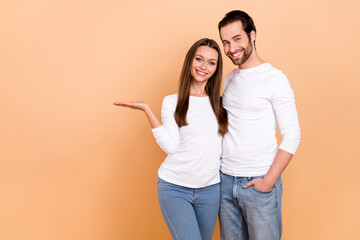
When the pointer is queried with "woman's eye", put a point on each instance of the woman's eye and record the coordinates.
(212, 63)
(198, 59)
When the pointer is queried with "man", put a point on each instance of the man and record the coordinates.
(257, 97)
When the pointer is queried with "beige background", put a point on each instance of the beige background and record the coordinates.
(73, 166)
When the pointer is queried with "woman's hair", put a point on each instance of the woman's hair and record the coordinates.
(212, 87)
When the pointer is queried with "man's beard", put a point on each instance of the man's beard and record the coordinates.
(246, 54)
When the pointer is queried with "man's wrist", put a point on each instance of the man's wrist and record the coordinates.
(269, 181)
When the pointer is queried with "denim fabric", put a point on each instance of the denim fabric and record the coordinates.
(189, 213)
(249, 213)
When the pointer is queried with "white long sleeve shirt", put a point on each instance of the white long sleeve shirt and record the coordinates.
(193, 150)
(257, 99)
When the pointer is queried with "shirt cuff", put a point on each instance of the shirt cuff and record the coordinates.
(158, 131)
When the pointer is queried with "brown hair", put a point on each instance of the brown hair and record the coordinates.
(237, 15)
(212, 87)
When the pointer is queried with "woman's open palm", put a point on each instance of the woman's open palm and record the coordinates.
(133, 105)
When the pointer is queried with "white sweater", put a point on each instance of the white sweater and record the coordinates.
(193, 150)
(257, 99)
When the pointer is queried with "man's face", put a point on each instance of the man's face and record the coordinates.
(237, 45)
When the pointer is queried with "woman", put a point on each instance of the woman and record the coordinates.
(194, 122)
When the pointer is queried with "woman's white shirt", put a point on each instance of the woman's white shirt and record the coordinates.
(193, 150)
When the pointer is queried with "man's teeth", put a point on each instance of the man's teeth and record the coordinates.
(236, 54)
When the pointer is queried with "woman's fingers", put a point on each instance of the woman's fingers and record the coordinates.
(134, 105)
(123, 104)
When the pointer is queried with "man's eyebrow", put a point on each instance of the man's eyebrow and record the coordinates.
(237, 35)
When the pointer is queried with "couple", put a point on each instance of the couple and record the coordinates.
(199, 128)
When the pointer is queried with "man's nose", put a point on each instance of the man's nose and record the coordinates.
(232, 47)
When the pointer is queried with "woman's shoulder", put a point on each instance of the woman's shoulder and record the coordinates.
(171, 100)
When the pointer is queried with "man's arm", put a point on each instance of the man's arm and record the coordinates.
(284, 108)
(281, 160)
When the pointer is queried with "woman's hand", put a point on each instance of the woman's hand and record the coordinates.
(154, 122)
(134, 105)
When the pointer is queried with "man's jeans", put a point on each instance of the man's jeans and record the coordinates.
(249, 213)
(189, 213)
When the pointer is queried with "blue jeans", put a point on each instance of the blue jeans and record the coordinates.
(189, 213)
(249, 213)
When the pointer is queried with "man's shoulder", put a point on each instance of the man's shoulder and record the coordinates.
(229, 77)
(231, 74)
(278, 82)
(274, 73)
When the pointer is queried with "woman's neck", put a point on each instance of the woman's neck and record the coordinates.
(198, 90)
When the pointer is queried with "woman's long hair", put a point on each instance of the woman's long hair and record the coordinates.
(212, 87)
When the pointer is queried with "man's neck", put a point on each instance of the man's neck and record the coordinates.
(253, 61)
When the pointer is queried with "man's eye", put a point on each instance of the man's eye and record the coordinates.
(237, 39)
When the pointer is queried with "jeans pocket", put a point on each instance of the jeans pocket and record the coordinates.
(260, 191)
(263, 192)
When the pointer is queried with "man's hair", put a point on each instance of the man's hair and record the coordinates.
(237, 15)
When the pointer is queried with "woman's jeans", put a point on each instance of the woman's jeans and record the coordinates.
(189, 213)
(249, 213)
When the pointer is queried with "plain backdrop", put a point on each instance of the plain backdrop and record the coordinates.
(74, 167)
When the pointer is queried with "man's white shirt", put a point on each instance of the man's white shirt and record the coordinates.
(257, 99)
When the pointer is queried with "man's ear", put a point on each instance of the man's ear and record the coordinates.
(252, 36)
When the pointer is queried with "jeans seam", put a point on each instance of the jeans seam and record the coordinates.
(172, 227)
(277, 210)
(167, 219)
(235, 192)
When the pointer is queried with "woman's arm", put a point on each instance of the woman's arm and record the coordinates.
(153, 120)
(166, 135)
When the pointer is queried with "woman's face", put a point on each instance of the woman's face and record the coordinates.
(204, 64)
